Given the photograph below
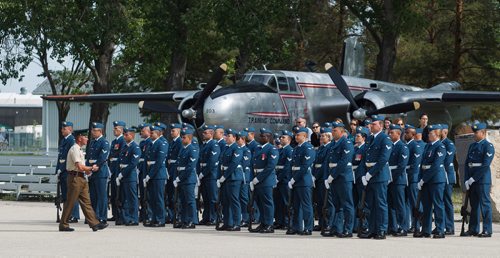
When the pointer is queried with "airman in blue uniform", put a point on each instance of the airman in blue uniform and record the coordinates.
(65, 144)
(241, 138)
(478, 181)
(186, 178)
(265, 159)
(209, 167)
(415, 154)
(174, 148)
(376, 178)
(252, 145)
(144, 145)
(358, 158)
(432, 182)
(98, 155)
(399, 180)
(127, 179)
(117, 146)
(341, 179)
(451, 178)
(154, 182)
(219, 139)
(232, 179)
(320, 173)
(301, 185)
(283, 175)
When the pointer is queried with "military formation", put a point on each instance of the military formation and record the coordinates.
(370, 178)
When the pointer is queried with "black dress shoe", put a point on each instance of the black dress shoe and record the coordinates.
(411, 230)
(132, 224)
(438, 235)
(223, 228)
(317, 228)
(327, 232)
(158, 225)
(421, 235)
(267, 229)
(99, 226)
(202, 222)
(469, 233)
(291, 231)
(379, 236)
(147, 223)
(210, 223)
(178, 225)
(68, 229)
(345, 235)
(103, 221)
(72, 220)
(434, 231)
(484, 234)
(257, 229)
(306, 233)
(118, 223)
(112, 219)
(188, 226)
(400, 233)
(366, 235)
(449, 233)
(277, 226)
(244, 224)
(234, 228)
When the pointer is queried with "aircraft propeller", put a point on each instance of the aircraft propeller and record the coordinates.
(359, 112)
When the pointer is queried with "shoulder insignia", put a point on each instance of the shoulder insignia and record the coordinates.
(236, 155)
(449, 152)
(439, 154)
(103, 151)
(416, 155)
(404, 156)
(192, 159)
(289, 159)
(307, 157)
(388, 147)
(214, 152)
(489, 154)
(245, 157)
(273, 156)
(135, 156)
(347, 151)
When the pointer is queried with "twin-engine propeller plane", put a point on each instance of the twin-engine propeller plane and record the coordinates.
(275, 98)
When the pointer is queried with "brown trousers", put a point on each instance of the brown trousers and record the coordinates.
(78, 189)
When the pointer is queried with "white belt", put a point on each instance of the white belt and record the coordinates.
(113, 159)
(203, 165)
(280, 167)
(354, 167)
(332, 165)
(425, 167)
(92, 161)
(295, 168)
(318, 165)
(141, 160)
(181, 168)
(62, 160)
(258, 170)
(224, 167)
(393, 167)
(472, 165)
(151, 163)
(451, 165)
(123, 165)
(407, 167)
(370, 164)
(172, 161)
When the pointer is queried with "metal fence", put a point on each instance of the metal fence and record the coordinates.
(25, 142)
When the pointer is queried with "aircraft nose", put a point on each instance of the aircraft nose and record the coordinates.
(219, 111)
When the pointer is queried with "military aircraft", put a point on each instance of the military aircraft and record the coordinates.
(275, 98)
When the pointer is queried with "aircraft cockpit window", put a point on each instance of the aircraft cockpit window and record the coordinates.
(266, 79)
(282, 84)
(292, 84)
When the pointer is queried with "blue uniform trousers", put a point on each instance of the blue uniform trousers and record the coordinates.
(344, 206)
(115, 170)
(397, 207)
(130, 206)
(188, 203)
(281, 204)
(264, 199)
(357, 193)
(411, 195)
(156, 191)
(231, 207)
(209, 194)
(75, 213)
(303, 215)
(376, 198)
(244, 197)
(99, 197)
(432, 200)
(479, 196)
(448, 208)
(145, 214)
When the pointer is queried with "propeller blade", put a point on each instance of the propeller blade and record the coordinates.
(396, 109)
(341, 84)
(159, 107)
(210, 86)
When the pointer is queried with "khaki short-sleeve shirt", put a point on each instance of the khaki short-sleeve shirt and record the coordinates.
(75, 154)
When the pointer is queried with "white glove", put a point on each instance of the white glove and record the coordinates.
(196, 189)
(255, 181)
(218, 183)
(368, 176)
(222, 179)
(364, 181)
(120, 176)
(58, 173)
(471, 181)
(290, 184)
(198, 183)
(252, 186)
(176, 183)
(330, 179)
(420, 184)
(145, 180)
(200, 176)
(327, 185)
(117, 181)
(314, 179)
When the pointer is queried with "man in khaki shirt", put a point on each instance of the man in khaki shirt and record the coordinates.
(78, 188)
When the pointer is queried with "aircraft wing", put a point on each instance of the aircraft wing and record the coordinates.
(135, 97)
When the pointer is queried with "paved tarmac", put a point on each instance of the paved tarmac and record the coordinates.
(29, 229)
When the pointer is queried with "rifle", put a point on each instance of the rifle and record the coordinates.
(57, 201)
(465, 213)
(118, 202)
(199, 203)
(416, 210)
(290, 208)
(250, 210)
(144, 204)
(360, 211)
(174, 219)
(324, 210)
(218, 206)
(109, 194)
